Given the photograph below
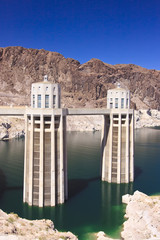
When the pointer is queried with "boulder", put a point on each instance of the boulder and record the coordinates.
(143, 213)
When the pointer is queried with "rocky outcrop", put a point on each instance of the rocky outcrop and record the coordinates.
(83, 85)
(11, 127)
(16, 228)
(84, 123)
(143, 214)
(102, 236)
(147, 118)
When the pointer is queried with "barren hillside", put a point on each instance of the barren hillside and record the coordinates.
(83, 85)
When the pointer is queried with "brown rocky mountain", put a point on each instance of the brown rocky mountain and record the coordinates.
(83, 85)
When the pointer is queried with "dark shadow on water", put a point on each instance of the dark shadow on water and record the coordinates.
(15, 188)
(112, 193)
(137, 171)
(156, 128)
(3, 182)
(75, 186)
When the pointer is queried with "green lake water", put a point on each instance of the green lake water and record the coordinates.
(92, 205)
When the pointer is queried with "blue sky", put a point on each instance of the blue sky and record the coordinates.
(114, 31)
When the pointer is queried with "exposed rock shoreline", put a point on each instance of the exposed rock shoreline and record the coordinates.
(13, 127)
(143, 218)
(13, 227)
(147, 118)
(142, 214)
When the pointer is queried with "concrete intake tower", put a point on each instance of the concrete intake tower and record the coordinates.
(45, 161)
(118, 138)
(45, 158)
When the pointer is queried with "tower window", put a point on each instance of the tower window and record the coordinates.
(122, 102)
(39, 101)
(33, 101)
(46, 88)
(46, 101)
(127, 103)
(54, 100)
(116, 102)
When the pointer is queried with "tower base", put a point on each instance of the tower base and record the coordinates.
(45, 163)
(118, 146)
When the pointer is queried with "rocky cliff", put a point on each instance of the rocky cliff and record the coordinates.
(83, 85)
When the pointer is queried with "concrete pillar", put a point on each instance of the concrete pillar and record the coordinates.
(25, 159)
(31, 161)
(132, 148)
(53, 182)
(103, 143)
(106, 142)
(127, 149)
(61, 161)
(65, 158)
(110, 148)
(41, 165)
(119, 150)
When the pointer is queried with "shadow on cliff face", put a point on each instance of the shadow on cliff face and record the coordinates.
(3, 182)
(75, 186)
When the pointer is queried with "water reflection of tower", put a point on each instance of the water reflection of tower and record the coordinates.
(118, 138)
(112, 198)
(45, 167)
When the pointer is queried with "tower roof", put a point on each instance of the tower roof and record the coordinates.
(118, 88)
(45, 81)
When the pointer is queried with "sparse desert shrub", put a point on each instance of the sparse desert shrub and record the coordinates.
(42, 238)
(14, 214)
(11, 220)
